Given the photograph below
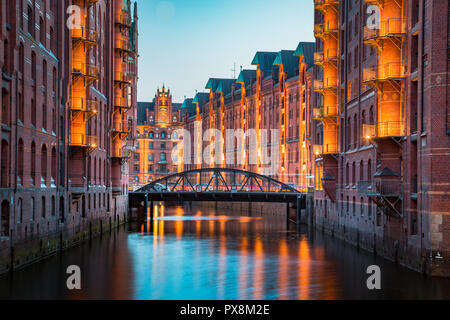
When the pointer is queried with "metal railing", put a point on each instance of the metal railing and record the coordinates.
(388, 71)
(393, 27)
(322, 3)
(123, 44)
(325, 111)
(121, 102)
(328, 83)
(390, 129)
(325, 28)
(123, 77)
(83, 140)
(325, 56)
(124, 19)
(84, 105)
(385, 187)
(327, 148)
(85, 69)
(85, 34)
(119, 126)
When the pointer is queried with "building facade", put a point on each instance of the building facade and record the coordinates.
(362, 117)
(68, 98)
(381, 136)
(158, 135)
(257, 118)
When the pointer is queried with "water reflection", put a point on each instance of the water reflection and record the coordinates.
(193, 253)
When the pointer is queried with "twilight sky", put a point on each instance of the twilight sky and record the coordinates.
(183, 43)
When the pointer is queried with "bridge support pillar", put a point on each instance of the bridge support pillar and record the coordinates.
(299, 212)
(152, 212)
(287, 215)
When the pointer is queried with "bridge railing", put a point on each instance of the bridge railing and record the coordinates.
(218, 180)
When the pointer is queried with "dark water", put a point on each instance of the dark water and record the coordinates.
(216, 254)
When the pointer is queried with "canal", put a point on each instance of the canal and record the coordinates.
(198, 253)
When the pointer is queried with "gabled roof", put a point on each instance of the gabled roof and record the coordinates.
(307, 50)
(188, 107)
(201, 98)
(289, 61)
(142, 108)
(247, 77)
(264, 60)
(220, 85)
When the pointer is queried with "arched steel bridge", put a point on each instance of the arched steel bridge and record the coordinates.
(218, 179)
(217, 184)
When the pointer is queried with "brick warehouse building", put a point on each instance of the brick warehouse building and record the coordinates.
(68, 103)
(262, 100)
(364, 125)
(157, 125)
(385, 187)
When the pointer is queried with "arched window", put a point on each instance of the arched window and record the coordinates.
(163, 135)
(19, 211)
(33, 209)
(44, 165)
(54, 164)
(347, 173)
(4, 164)
(33, 163)
(43, 208)
(42, 32)
(53, 206)
(361, 170)
(33, 66)
(4, 227)
(163, 156)
(151, 134)
(30, 15)
(354, 173)
(20, 155)
(61, 209)
(369, 170)
(371, 116)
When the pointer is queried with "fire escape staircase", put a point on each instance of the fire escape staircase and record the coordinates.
(386, 192)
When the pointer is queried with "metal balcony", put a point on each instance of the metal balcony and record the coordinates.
(326, 112)
(123, 77)
(123, 45)
(390, 29)
(121, 103)
(378, 188)
(124, 20)
(83, 141)
(326, 84)
(321, 5)
(84, 105)
(393, 71)
(326, 57)
(329, 148)
(323, 30)
(86, 35)
(390, 129)
(86, 70)
(119, 129)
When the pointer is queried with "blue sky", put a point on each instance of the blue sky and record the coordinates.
(185, 42)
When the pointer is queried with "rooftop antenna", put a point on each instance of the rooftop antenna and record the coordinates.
(234, 70)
